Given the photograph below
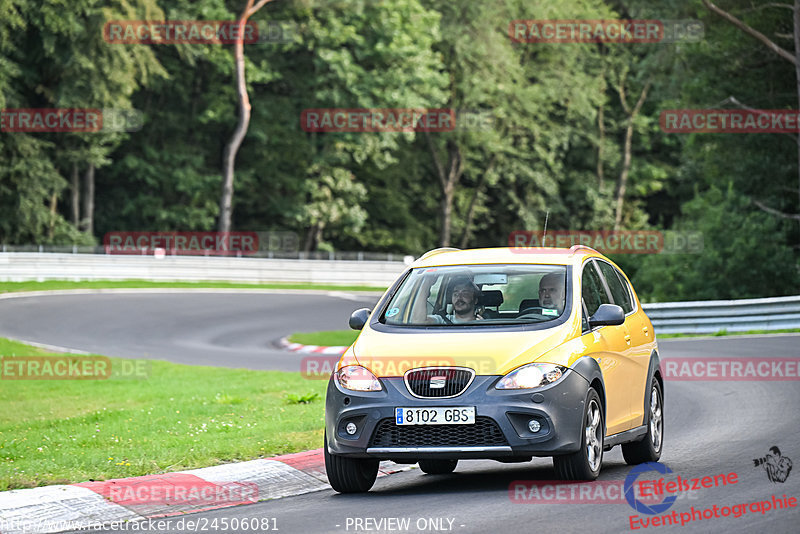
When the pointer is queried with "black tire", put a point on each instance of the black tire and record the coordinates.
(438, 467)
(585, 464)
(648, 449)
(349, 475)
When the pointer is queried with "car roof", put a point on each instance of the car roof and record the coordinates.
(502, 255)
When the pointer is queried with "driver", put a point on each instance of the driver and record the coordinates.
(465, 295)
(551, 292)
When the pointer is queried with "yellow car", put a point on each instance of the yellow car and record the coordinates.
(501, 354)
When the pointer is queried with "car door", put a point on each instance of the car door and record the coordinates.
(607, 345)
(641, 338)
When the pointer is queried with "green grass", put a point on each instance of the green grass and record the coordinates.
(329, 338)
(181, 417)
(6, 287)
(726, 333)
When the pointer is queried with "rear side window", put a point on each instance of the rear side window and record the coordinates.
(592, 290)
(619, 292)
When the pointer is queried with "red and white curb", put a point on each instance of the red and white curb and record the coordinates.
(89, 505)
(336, 350)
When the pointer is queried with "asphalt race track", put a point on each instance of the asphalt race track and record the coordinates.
(192, 327)
(712, 427)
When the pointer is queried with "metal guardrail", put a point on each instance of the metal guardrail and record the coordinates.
(27, 266)
(711, 316)
(701, 317)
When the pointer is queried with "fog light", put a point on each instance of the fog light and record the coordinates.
(351, 428)
(534, 426)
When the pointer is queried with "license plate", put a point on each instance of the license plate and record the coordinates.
(454, 415)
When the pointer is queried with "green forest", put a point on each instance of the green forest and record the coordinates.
(563, 133)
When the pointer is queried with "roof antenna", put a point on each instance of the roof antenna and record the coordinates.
(544, 234)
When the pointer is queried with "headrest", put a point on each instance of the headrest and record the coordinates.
(492, 297)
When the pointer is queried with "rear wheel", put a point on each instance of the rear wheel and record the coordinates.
(438, 467)
(648, 449)
(349, 475)
(586, 462)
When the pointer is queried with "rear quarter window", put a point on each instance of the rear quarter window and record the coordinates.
(619, 291)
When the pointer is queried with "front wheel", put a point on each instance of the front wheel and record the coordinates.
(648, 449)
(438, 467)
(349, 475)
(585, 463)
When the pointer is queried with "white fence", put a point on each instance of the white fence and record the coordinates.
(27, 266)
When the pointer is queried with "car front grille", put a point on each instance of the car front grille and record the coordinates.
(438, 382)
(484, 432)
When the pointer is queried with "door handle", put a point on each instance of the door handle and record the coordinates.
(646, 331)
(627, 339)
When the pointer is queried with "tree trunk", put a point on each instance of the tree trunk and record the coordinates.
(76, 196)
(229, 155)
(471, 210)
(53, 208)
(602, 131)
(445, 213)
(313, 237)
(623, 175)
(88, 200)
(470, 215)
(622, 184)
(447, 182)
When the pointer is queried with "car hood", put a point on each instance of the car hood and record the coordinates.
(488, 353)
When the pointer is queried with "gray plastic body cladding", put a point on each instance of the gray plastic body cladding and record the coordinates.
(589, 369)
(561, 409)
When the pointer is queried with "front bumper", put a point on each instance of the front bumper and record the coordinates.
(500, 432)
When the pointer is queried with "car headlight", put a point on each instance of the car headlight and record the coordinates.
(357, 378)
(530, 376)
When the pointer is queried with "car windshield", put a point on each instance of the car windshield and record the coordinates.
(477, 295)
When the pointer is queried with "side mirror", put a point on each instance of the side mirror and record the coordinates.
(360, 317)
(607, 315)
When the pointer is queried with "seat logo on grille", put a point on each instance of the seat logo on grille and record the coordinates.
(438, 382)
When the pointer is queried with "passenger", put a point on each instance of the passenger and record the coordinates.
(551, 292)
(464, 299)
